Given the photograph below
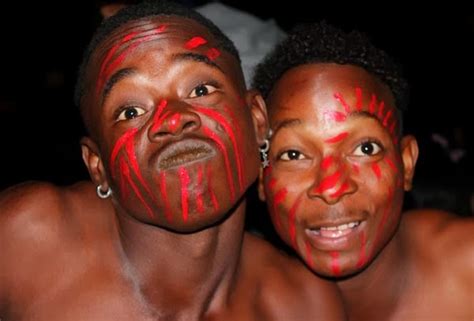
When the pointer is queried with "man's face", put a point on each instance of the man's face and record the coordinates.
(168, 117)
(335, 184)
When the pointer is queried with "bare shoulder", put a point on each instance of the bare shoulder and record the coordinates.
(289, 289)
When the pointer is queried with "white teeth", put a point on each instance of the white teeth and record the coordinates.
(341, 227)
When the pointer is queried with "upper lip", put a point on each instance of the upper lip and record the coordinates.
(184, 151)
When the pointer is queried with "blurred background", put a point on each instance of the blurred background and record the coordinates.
(42, 45)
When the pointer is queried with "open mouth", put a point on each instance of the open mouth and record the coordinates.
(335, 231)
(184, 152)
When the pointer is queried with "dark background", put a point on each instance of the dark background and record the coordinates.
(42, 45)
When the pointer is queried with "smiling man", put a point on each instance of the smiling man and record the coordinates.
(159, 235)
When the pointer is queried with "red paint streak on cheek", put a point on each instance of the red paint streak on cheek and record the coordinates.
(174, 122)
(277, 200)
(292, 222)
(326, 162)
(376, 170)
(123, 187)
(362, 255)
(391, 164)
(341, 100)
(309, 257)
(341, 190)
(195, 42)
(157, 119)
(210, 191)
(118, 146)
(336, 116)
(335, 267)
(213, 53)
(337, 138)
(271, 183)
(184, 179)
(328, 182)
(373, 103)
(126, 173)
(221, 146)
(387, 117)
(228, 129)
(384, 219)
(359, 98)
(199, 200)
(356, 168)
(164, 196)
(238, 132)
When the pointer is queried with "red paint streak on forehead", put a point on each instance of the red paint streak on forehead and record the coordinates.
(336, 269)
(184, 179)
(387, 117)
(336, 116)
(118, 146)
(381, 109)
(392, 127)
(164, 196)
(328, 182)
(372, 105)
(213, 53)
(344, 104)
(358, 98)
(223, 149)
(195, 42)
(326, 162)
(337, 138)
(376, 170)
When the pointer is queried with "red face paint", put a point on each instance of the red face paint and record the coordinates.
(373, 103)
(278, 198)
(292, 222)
(356, 168)
(164, 196)
(195, 42)
(210, 191)
(341, 100)
(387, 117)
(340, 191)
(184, 179)
(309, 257)
(118, 146)
(392, 127)
(384, 219)
(391, 164)
(199, 200)
(221, 146)
(174, 122)
(157, 119)
(362, 255)
(336, 138)
(336, 116)
(326, 162)
(359, 98)
(376, 170)
(381, 110)
(335, 267)
(124, 192)
(137, 192)
(213, 54)
(328, 182)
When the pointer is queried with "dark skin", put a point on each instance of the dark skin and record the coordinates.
(169, 244)
(335, 190)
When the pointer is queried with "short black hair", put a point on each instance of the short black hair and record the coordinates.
(323, 43)
(145, 9)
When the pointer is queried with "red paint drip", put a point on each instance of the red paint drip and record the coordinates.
(341, 190)
(376, 170)
(184, 179)
(118, 146)
(164, 196)
(309, 257)
(336, 116)
(126, 173)
(277, 200)
(292, 222)
(211, 192)
(341, 100)
(326, 163)
(199, 200)
(362, 256)
(195, 42)
(359, 99)
(213, 53)
(328, 182)
(221, 146)
(228, 129)
(373, 103)
(336, 269)
(336, 138)
(387, 117)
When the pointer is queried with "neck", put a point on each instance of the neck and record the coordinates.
(183, 275)
(377, 288)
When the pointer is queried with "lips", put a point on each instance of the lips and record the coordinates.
(184, 152)
(335, 237)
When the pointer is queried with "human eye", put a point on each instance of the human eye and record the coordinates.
(202, 90)
(368, 148)
(291, 154)
(130, 112)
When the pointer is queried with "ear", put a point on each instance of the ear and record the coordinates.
(93, 161)
(409, 154)
(258, 110)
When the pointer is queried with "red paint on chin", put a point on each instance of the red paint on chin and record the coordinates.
(195, 42)
(184, 179)
(335, 267)
(309, 257)
(199, 200)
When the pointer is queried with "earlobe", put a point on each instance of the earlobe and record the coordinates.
(93, 162)
(261, 187)
(409, 154)
(258, 110)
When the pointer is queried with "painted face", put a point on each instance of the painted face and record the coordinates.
(166, 108)
(334, 187)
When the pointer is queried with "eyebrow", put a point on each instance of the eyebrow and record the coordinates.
(197, 57)
(114, 79)
(286, 123)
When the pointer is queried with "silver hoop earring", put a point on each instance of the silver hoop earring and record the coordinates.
(264, 153)
(102, 194)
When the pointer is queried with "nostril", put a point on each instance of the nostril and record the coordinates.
(189, 125)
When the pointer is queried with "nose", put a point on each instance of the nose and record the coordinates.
(173, 119)
(333, 184)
